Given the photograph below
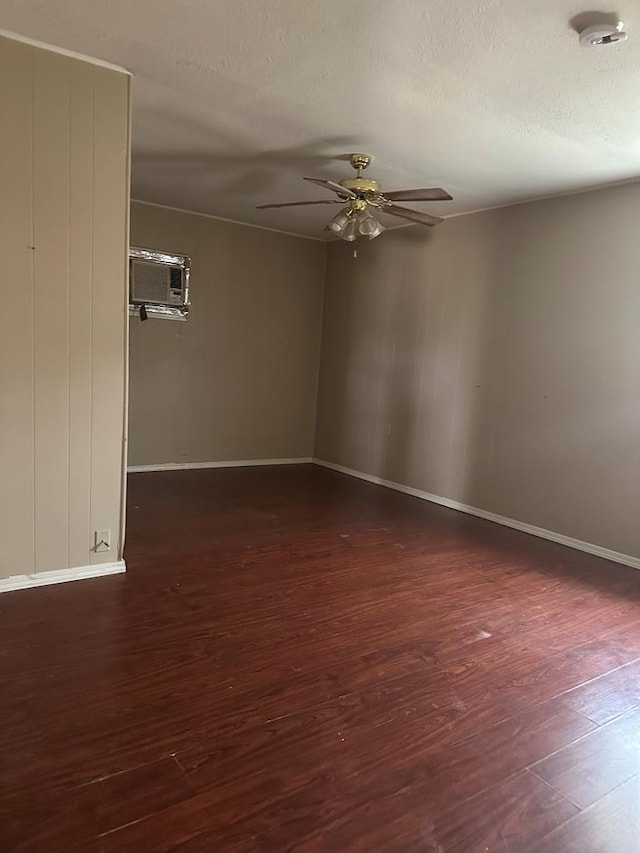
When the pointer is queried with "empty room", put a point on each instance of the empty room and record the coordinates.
(320, 427)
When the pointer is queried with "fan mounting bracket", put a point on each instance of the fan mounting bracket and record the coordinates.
(360, 161)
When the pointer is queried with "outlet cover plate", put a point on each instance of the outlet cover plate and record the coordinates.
(102, 541)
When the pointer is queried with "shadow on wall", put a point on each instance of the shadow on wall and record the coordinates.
(412, 316)
(440, 402)
(404, 364)
(493, 361)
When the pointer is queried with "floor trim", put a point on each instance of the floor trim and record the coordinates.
(542, 533)
(61, 576)
(232, 463)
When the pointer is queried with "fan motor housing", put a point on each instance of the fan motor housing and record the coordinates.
(361, 185)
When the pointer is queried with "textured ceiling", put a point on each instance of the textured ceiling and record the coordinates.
(236, 99)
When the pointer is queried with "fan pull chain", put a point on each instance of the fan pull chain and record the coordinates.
(355, 253)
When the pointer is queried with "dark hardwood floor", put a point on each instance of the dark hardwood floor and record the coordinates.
(297, 660)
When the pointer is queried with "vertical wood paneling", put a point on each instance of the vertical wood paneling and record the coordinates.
(80, 307)
(110, 201)
(51, 319)
(62, 334)
(16, 318)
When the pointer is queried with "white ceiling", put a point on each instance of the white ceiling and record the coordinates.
(236, 99)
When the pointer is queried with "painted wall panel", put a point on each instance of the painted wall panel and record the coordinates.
(109, 300)
(64, 179)
(238, 380)
(16, 320)
(80, 312)
(51, 309)
(495, 361)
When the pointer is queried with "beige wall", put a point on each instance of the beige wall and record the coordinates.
(238, 380)
(495, 361)
(63, 236)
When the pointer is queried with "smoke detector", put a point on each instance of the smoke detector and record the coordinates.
(601, 34)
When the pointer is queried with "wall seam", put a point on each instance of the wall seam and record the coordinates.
(125, 402)
(320, 347)
(230, 221)
(89, 543)
(69, 317)
(33, 291)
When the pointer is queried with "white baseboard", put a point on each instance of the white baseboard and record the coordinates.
(560, 538)
(234, 463)
(61, 576)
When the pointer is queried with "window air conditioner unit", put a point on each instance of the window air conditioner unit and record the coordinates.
(158, 284)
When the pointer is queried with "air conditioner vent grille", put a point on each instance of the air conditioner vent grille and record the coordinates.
(150, 282)
(160, 282)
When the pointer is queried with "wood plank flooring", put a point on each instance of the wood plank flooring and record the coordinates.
(299, 661)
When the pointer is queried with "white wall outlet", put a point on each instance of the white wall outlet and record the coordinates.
(101, 541)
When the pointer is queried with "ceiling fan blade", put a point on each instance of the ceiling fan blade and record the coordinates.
(427, 194)
(299, 203)
(413, 215)
(331, 185)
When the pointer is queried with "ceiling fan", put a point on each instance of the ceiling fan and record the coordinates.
(360, 195)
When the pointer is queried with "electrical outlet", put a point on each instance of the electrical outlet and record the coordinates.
(102, 541)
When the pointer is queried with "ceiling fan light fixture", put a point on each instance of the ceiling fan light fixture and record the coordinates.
(359, 194)
(369, 226)
(351, 230)
(340, 221)
(378, 230)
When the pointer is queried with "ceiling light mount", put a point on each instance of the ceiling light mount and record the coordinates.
(598, 35)
(359, 184)
(360, 161)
